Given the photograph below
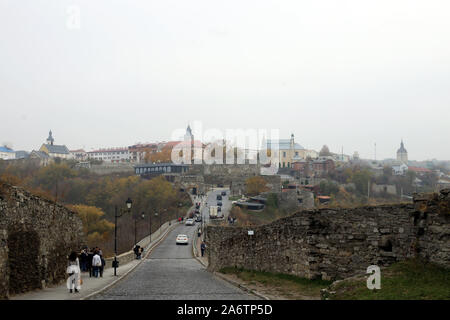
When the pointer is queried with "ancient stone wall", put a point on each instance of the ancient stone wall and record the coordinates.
(36, 236)
(338, 243)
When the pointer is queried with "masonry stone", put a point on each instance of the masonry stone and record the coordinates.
(338, 243)
(36, 237)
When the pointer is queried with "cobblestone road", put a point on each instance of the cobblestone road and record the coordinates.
(171, 272)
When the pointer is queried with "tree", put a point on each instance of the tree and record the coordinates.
(95, 227)
(255, 185)
(324, 151)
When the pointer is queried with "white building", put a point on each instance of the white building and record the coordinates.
(7, 153)
(399, 169)
(79, 155)
(112, 155)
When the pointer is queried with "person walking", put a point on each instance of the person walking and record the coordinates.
(203, 248)
(73, 270)
(103, 263)
(96, 264)
(83, 260)
(90, 255)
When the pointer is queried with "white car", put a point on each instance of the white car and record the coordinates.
(190, 222)
(182, 239)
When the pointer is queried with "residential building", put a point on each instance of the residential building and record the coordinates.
(399, 169)
(44, 158)
(287, 150)
(7, 153)
(111, 155)
(79, 155)
(21, 154)
(139, 151)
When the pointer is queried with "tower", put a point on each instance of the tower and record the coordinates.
(402, 154)
(50, 139)
(189, 141)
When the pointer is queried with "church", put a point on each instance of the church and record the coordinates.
(53, 150)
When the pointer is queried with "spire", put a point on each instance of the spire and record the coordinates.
(50, 138)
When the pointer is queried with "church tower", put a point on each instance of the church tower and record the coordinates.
(402, 154)
(50, 139)
(189, 140)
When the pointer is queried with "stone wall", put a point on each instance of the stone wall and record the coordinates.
(338, 243)
(36, 236)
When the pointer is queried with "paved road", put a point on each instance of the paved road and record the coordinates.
(211, 201)
(171, 272)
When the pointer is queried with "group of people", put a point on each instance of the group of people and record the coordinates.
(91, 261)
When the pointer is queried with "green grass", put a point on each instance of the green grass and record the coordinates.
(284, 284)
(408, 280)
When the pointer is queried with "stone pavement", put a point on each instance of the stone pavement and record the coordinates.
(93, 285)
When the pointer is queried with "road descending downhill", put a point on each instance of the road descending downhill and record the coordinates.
(172, 273)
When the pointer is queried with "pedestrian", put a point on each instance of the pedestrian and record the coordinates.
(90, 255)
(96, 264)
(103, 264)
(141, 250)
(73, 270)
(203, 248)
(136, 251)
(83, 260)
(199, 232)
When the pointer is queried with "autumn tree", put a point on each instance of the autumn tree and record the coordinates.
(95, 227)
(255, 185)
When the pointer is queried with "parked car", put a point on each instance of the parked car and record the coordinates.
(219, 197)
(224, 193)
(190, 222)
(219, 209)
(182, 239)
(220, 185)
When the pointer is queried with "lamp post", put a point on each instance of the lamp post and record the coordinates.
(156, 215)
(116, 215)
(150, 227)
(135, 227)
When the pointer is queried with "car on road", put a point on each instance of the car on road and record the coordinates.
(224, 193)
(219, 197)
(198, 218)
(219, 203)
(182, 239)
(190, 222)
(219, 209)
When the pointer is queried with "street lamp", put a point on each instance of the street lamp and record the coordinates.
(116, 215)
(135, 227)
(156, 215)
(150, 227)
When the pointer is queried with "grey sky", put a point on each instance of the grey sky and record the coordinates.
(341, 73)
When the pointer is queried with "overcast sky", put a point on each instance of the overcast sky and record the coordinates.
(342, 73)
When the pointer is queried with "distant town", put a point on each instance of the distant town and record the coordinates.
(323, 171)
